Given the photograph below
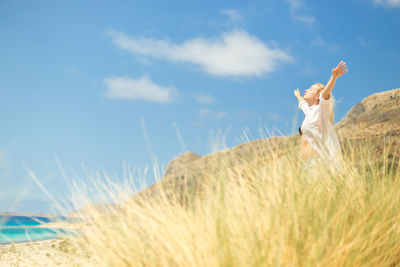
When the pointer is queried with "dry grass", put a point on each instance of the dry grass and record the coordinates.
(260, 214)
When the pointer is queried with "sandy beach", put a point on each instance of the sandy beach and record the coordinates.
(59, 252)
(54, 252)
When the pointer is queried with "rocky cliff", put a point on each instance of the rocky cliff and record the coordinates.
(376, 119)
(376, 115)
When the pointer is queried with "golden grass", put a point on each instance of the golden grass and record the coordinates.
(259, 214)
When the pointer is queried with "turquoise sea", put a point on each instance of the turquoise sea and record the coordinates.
(17, 229)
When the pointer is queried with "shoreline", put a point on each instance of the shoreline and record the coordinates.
(31, 214)
(68, 229)
(59, 225)
(29, 242)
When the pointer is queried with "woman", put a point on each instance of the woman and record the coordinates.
(319, 140)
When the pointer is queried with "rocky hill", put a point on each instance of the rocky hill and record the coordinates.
(376, 115)
(376, 118)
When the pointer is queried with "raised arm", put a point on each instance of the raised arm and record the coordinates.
(336, 73)
(297, 95)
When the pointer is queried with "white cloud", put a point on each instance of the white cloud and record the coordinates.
(142, 88)
(233, 53)
(322, 43)
(295, 7)
(363, 42)
(273, 116)
(72, 70)
(245, 115)
(233, 14)
(305, 19)
(204, 99)
(388, 3)
(211, 115)
(308, 69)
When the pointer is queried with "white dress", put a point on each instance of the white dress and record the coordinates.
(319, 131)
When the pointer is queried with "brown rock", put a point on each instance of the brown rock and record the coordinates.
(376, 115)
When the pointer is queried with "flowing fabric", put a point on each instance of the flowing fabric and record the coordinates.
(319, 131)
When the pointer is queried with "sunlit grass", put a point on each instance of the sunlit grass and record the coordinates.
(257, 213)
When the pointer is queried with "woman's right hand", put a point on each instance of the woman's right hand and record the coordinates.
(339, 70)
(296, 92)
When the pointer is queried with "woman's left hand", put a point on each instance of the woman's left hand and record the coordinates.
(339, 70)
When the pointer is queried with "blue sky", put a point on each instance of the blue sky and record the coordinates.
(101, 84)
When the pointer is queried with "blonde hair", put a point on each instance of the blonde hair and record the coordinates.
(331, 102)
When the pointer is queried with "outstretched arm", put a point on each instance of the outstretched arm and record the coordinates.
(303, 106)
(297, 95)
(336, 73)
